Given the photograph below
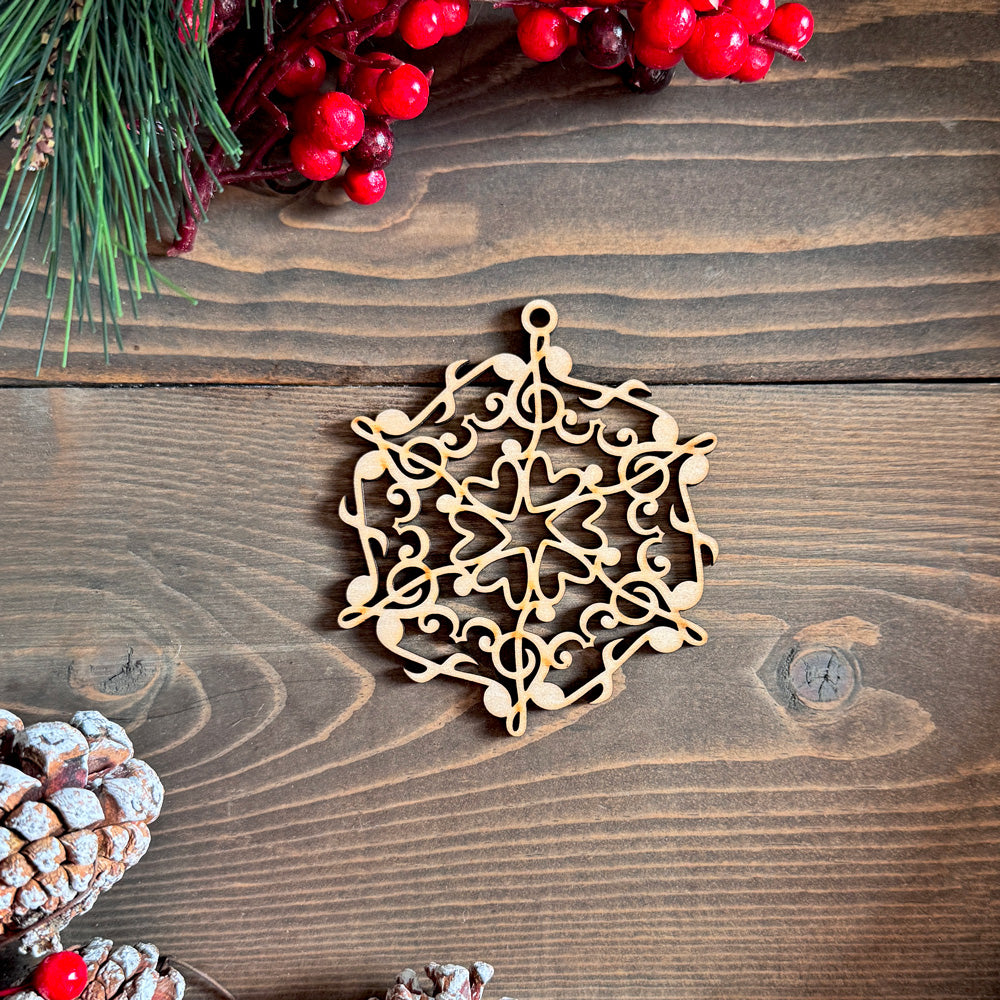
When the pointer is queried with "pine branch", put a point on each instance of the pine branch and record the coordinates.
(111, 104)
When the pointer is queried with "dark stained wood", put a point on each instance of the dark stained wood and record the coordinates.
(838, 222)
(170, 557)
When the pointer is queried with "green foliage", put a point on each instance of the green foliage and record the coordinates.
(108, 107)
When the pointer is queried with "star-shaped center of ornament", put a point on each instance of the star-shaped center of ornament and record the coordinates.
(557, 539)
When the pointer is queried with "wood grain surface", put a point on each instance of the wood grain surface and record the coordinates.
(172, 557)
(837, 222)
(808, 268)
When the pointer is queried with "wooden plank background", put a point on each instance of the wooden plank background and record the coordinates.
(807, 268)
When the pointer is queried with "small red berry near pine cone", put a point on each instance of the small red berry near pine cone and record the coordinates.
(364, 186)
(60, 976)
(792, 24)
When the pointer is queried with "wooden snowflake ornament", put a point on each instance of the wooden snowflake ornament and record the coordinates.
(538, 534)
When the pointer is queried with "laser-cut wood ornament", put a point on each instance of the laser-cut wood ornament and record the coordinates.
(418, 585)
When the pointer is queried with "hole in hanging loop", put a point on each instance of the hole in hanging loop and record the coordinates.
(539, 317)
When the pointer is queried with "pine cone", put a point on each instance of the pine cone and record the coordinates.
(448, 982)
(74, 805)
(124, 973)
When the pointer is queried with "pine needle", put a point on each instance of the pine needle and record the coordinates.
(107, 105)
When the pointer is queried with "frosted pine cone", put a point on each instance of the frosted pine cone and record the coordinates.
(448, 982)
(124, 973)
(74, 805)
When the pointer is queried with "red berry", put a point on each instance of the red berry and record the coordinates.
(333, 120)
(302, 113)
(454, 16)
(304, 75)
(364, 186)
(326, 19)
(190, 26)
(60, 976)
(361, 10)
(403, 92)
(792, 24)
(655, 58)
(666, 24)
(706, 6)
(577, 13)
(755, 15)
(363, 83)
(543, 34)
(756, 64)
(420, 23)
(717, 47)
(315, 163)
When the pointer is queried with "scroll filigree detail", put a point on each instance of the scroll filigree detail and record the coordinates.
(601, 528)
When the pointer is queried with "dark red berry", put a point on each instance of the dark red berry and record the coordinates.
(374, 150)
(420, 24)
(652, 57)
(361, 10)
(304, 75)
(756, 64)
(403, 92)
(754, 15)
(717, 47)
(644, 79)
(326, 19)
(792, 24)
(315, 163)
(666, 24)
(543, 34)
(334, 120)
(454, 16)
(60, 976)
(605, 38)
(364, 186)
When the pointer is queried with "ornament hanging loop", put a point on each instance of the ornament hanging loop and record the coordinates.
(539, 310)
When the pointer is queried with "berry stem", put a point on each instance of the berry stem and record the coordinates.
(766, 42)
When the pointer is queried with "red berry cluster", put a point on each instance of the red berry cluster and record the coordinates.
(351, 121)
(645, 39)
(314, 94)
